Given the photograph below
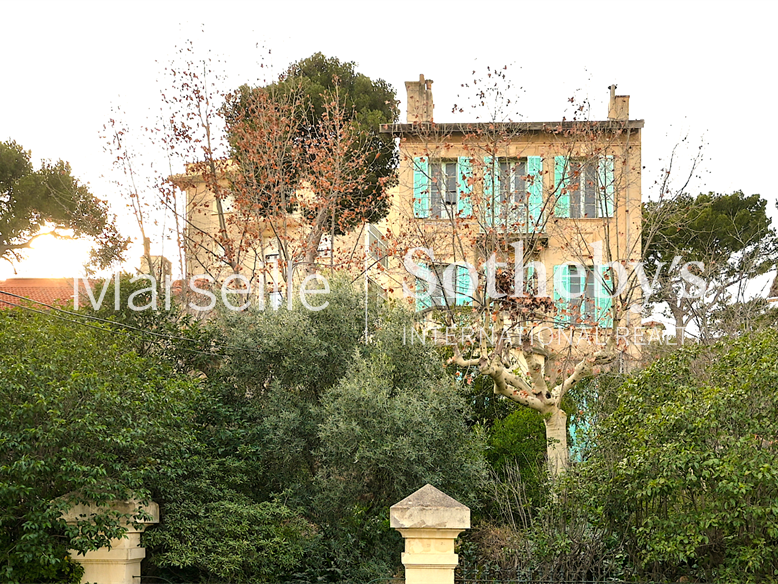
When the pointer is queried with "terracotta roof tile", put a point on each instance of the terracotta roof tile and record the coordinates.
(53, 291)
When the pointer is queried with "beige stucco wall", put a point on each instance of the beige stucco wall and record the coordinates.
(568, 239)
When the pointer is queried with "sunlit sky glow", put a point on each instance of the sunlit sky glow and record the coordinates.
(694, 70)
(51, 257)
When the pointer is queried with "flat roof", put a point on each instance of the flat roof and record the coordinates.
(472, 128)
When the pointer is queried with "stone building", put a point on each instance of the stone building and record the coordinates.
(564, 195)
(561, 199)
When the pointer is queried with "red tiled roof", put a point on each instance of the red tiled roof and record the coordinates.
(53, 291)
(57, 291)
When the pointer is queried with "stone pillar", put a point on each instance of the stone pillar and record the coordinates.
(429, 521)
(121, 563)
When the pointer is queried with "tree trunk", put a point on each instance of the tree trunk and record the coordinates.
(678, 316)
(556, 437)
(313, 240)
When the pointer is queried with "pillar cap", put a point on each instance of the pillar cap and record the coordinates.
(83, 511)
(429, 508)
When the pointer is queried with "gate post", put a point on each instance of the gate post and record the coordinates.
(429, 521)
(121, 563)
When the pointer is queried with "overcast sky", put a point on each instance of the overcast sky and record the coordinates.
(703, 71)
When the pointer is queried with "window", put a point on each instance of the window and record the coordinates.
(442, 188)
(582, 296)
(375, 292)
(513, 193)
(583, 187)
(454, 287)
(513, 187)
(377, 252)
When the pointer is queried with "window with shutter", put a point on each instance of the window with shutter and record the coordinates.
(513, 193)
(584, 187)
(454, 277)
(442, 189)
(582, 298)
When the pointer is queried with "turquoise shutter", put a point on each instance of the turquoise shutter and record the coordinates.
(421, 187)
(464, 186)
(604, 302)
(579, 425)
(423, 299)
(561, 183)
(528, 289)
(535, 189)
(605, 191)
(562, 302)
(491, 192)
(463, 287)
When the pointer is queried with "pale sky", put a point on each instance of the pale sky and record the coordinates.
(703, 71)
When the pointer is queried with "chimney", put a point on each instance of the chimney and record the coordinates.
(618, 108)
(419, 100)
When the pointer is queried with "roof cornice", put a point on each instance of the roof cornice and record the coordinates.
(422, 128)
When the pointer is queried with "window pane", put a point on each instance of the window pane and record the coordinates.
(575, 282)
(451, 183)
(590, 190)
(519, 184)
(590, 294)
(505, 182)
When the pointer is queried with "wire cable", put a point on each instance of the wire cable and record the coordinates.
(99, 319)
(113, 324)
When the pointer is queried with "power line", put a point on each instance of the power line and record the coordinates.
(97, 318)
(110, 322)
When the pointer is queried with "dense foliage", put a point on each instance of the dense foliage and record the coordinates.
(279, 463)
(731, 238)
(684, 471)
(312, 84)
(324, 430)
(84, 418)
